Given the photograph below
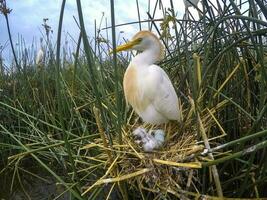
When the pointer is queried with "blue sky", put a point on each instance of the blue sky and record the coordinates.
(27, 16)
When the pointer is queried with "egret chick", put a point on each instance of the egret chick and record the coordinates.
(151, 140)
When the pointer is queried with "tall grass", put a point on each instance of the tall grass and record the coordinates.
(69, 118)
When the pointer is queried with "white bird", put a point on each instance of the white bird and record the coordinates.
(147, 87)
(190, 3)
(40, 56)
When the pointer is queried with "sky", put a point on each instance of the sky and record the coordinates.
(27, 16)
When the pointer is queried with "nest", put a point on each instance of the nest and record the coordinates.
(172, 169)
(173, 166)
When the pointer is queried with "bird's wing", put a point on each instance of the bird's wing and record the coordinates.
(159, 89)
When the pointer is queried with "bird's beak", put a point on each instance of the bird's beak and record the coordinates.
(128, 45)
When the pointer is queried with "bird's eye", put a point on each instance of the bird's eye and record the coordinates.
(139, 40)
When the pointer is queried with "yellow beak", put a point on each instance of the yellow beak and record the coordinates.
(128, 45)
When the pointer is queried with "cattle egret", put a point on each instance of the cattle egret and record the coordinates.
(147, 87)
(190, 3)
(40, 56)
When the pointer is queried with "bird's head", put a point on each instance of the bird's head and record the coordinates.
(142, 41)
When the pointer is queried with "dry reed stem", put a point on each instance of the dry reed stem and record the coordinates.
(101, 131)
(116, 179)
(194, 165)
(102, 178)
(213, 168)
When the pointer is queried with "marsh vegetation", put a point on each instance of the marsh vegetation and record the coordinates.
(65, 121)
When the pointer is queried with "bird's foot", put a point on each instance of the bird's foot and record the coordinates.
(149, 140)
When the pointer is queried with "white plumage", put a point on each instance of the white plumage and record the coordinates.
(190, 3)
(147, 87)
(156, 90)
(40, 57)
(151, 140)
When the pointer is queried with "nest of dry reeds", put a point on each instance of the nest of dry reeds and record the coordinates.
(171, 169)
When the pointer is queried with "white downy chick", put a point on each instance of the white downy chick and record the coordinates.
(159, 136)
(151, 140)
(139, 133)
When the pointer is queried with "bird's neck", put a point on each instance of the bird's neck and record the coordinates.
(147, 57)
